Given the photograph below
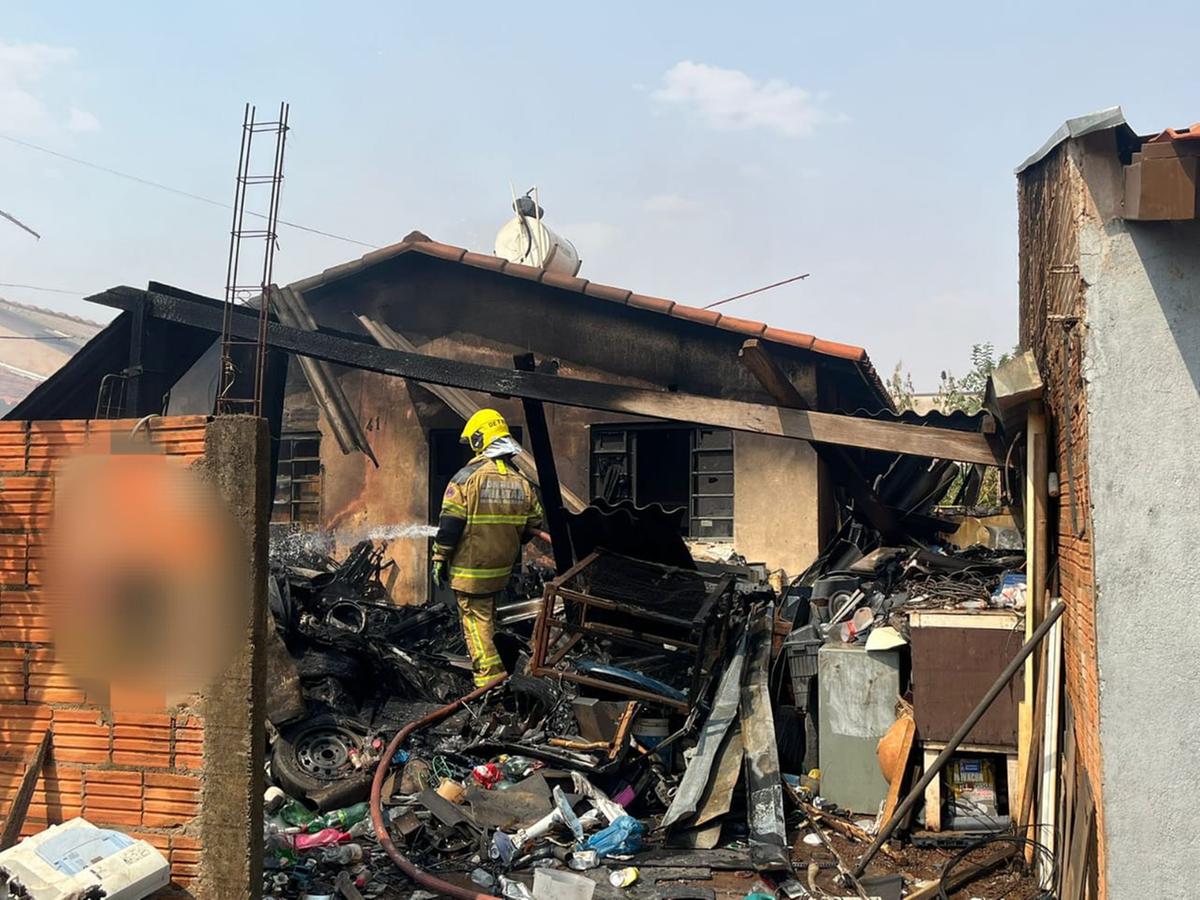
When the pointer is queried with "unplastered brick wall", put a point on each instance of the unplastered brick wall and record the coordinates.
(1052, 204)
(140, 773)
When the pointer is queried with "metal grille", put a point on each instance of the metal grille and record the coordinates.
(298, 484)
(110, 399)
(646, 585)
(242, 359)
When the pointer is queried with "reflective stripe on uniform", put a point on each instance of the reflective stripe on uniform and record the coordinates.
(458, 572)
(450, 508)
(496, 519)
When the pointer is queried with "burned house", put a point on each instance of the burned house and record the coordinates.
(460, 305)
(941, 671)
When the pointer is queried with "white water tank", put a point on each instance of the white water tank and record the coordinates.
(527, 240)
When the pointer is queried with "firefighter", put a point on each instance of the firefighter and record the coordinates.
(488, 512)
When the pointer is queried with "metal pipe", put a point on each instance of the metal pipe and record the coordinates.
(291, 310)
(934, 768)
(424, 879)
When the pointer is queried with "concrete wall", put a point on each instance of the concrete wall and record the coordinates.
(1125, 393)
(776, 501)
(1052, 198)
(1142, 373)
(229, 822)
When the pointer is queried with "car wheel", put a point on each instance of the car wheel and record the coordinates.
(312, 755)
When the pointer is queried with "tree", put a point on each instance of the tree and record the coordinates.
(959, 394)
(900, 386)
(966, 393)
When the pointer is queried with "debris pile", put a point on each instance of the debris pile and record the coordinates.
(667, 729)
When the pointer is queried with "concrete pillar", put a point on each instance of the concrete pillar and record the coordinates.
(237, 462)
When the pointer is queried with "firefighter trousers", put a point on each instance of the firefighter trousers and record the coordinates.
(478, 623)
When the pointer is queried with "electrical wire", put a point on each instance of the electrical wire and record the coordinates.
(48, 290)
(1045, 886)
(173, 190)
(759, 290)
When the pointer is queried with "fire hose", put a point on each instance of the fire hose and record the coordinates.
(424, 879)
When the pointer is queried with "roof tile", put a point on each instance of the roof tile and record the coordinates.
(385, 253)
(443, 251)
(568, 282)
(416, 241)
(341, 271)
(845, 351)
(532, 273)
(657, 304)
(744, 326)
(607, 292)
(791, 338)
(483, 261)
(695, 314)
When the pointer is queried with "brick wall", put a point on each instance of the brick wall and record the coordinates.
(1051, 204)
(138, 773)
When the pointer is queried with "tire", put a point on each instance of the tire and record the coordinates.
(313, 755)
(530, 698)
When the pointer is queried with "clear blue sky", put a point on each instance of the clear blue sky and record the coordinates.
(691, 151)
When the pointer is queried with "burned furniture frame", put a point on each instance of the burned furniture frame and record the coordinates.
(570, 612)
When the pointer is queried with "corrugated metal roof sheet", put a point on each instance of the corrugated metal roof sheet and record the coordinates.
(416, 242)
(958, 420)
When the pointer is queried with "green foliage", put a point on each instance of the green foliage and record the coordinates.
(900, 386)
(966, 393)
(954, 394)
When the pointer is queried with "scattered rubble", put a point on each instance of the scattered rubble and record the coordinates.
(661, 730)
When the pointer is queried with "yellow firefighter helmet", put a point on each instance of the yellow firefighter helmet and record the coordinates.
(483, 428)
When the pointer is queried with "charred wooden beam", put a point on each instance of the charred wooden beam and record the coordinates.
(350, 350)
(543, 458)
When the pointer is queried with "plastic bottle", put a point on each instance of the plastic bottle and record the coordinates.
(273, 799)
(363, 829)
(282, 849)
(296, 813)
(623, 836)
(326, 837)
(339, 818)
(343, 855)
(517, 767)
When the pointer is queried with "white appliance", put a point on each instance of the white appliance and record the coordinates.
(67, 859)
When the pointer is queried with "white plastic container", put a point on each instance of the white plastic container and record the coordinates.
(555, 884)
(76, 855)
(528, 241)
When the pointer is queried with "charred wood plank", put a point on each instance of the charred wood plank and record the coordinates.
(350, 350)
(543, 459)
(764, 783)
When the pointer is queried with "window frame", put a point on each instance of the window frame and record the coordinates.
(695, 453)
(285, 479)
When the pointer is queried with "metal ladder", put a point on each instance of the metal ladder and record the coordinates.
(243, 357)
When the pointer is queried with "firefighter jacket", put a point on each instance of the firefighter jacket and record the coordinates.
(488, 511)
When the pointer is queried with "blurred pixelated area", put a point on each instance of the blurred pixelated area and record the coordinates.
(145, 577)
(120, 575)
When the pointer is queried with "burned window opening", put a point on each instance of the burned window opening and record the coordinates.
(680, 468)
(298, 484)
